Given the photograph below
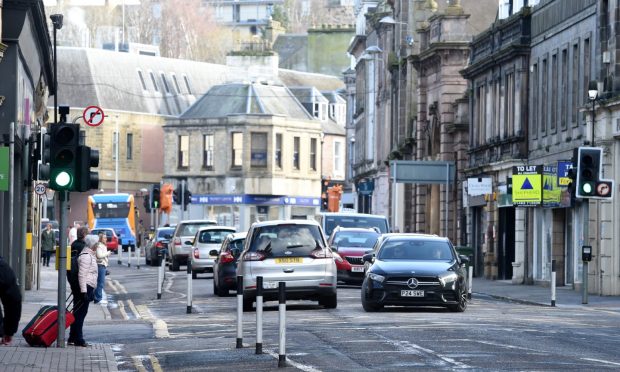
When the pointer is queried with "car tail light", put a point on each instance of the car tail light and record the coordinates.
(177, 241)
(321, 253)
(253, 256)
(226, 257)
(196, 253)
(159, 245)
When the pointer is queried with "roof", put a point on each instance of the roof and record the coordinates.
(334, 97)
(308, 94)
(333, 128)
(285, 222)
(239, 235)
(321, 82)
(246, 98)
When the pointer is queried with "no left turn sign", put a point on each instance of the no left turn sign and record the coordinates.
(93, 116)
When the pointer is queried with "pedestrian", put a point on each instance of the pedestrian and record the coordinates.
(48, 243)
(11, 302)
(87, 278)
(73, 233)
(102, 266)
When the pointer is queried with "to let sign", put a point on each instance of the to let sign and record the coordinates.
(527, 185)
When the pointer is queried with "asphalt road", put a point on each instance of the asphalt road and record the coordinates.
(153, 335)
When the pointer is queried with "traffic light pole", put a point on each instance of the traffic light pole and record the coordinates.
(62, 268)
(182, 199)
(586, 241)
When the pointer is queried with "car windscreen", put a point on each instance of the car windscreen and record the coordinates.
(190, 229)
(213, 236)
(287, 240)
(237, 244)
(355, 239)
(161, 234)
(355, 221)
(416, 250)
(108, 233)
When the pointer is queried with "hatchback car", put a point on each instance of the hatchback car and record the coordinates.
(181, 247)
(112, 241)
(156, 245)
(294, 252)
(414, 270)
(351, 244)
(225, 266)
(206, 246)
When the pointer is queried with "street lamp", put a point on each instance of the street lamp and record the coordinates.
(593, 97)
(57, 23)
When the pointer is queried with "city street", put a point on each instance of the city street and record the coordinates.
(150, 334)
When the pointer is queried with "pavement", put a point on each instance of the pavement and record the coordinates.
(100, 357)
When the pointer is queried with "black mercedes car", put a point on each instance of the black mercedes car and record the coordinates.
(414, 270)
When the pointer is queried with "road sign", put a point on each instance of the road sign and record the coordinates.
(479, 186)
(422, 172)
(526, 185)
(603, 189)
(93, 116)
(40, 189)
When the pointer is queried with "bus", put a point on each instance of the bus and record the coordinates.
(116, 211)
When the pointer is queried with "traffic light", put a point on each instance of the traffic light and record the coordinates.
(85, 179)
(176, 196)
(187, 198)
(64, 142)
(590, 183)
(155, 197)
(41, 170)
(147, 204)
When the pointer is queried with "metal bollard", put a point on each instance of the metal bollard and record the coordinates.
(552, 282)
(189, 286)
(160, 275)
(470, 277)
(138, 258)
(129, 256)
(119, 253)
(239, 312)
(282, 324)
(259, 315)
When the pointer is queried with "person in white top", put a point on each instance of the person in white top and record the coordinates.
(73, 233)
(102, 266)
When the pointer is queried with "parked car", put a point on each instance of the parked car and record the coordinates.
(158, 243)
(294, 252)
(329, 221)
(414, 270)
(180, 246)
(111, 238)
(225, 265)
(206, 246)
(351, 244)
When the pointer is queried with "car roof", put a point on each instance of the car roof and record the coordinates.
(414, 236)
(351, 214)
(103, 228)
(355, 229)
(239, 235)
(165, 228)
(285, 222)
(195, 221)
(216, 227)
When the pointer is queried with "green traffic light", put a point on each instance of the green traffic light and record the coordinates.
(587, 188)
(63, 179)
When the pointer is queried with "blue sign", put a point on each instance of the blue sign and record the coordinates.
(304, 201)
(366, 187)
(563, 168)
(217, 199)
(262, 199)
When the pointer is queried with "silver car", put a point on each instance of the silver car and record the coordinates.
(206, 246)
(180, 245)
(294, 252)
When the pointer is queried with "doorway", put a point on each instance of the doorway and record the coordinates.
(506, 243)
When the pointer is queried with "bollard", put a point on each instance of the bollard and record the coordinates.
(584, 294)
(239, 312)
(259, 315)
(282, 324)
(189, 286)
(470, 277)
(119, 253)
(138, 259)
(160, 275)
(552, 282)
(129, 256)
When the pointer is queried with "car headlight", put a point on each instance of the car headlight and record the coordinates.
(449, 278)
(376, 277)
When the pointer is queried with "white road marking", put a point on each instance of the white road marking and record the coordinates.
(504, 345)
(299, 366)
(601, 361)
(417, 349)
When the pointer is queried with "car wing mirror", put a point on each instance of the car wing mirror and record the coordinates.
(235, 252)
(368, 257)
(464, 259)
(334, 247)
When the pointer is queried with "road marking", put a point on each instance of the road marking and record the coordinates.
(159, 325)
(503, 345)
(417, 349)
(121, 309)
(155, 363)
(133, 309)
(601, 361)
(302, 367)
(111, 284)
(137, 362)
(121, 287)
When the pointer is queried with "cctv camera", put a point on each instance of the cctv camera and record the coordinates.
(57, 21)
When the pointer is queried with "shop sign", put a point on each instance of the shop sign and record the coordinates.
(550, 189)
(479, 186)
(527, 185)
(563, 168)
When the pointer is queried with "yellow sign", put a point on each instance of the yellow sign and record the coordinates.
(68, 257)
(551, 192)
(526, 189)
(28, 241)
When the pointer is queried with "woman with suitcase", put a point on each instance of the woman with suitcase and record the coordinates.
(87, 276)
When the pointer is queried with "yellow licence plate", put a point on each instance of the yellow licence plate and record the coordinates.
(289, 260)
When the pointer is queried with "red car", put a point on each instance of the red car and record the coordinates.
(111, 238)
(351, 244)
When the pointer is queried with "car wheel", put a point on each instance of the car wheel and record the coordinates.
(368, 305)
(174, 265)
(194, 275)
(462, 305)
(221, 292)
(155, 262)
(248, 303)
(329, 301)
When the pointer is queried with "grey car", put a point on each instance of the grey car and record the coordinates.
(206, 246)
(294, 252)
(180, 245)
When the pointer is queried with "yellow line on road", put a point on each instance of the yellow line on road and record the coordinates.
(137, 362)
(155, 363)
(133, 309)
(159, 326)
(121, 287)
(121, 308)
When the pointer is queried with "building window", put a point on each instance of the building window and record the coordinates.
(154, 81)
(207, 154)
(183, 156)
(480, 113)
(258, 149)
(510, 105)
(544, 97)
(338, 158)
(278, 152)
(586, 68)
(189, 88)
(142, 82)
(535, 88)
(313, 154)
(554, 92)
(163, 79)
(129, 146)
(296, 141)
(575, 85)
(564, 93)
(176, 83)
(237, 149)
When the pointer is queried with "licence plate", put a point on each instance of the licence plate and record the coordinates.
(289, 260)
(357, 269)
(270, 285)
(409, 293)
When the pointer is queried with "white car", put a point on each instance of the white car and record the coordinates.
(206, 246)
(180, 245)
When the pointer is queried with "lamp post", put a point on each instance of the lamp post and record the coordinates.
(593, 97)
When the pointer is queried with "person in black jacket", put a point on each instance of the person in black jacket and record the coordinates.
(11, 302)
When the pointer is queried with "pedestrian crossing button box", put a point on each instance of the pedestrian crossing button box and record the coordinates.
(586, 253)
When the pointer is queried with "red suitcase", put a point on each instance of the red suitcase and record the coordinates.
(43, 328)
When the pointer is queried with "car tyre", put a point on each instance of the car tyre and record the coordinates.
(462, 305)
(329, 301)
(221, 292)
(194, 275)
(174, 265)
(148, 261)
(248, 303)
(369, 307)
